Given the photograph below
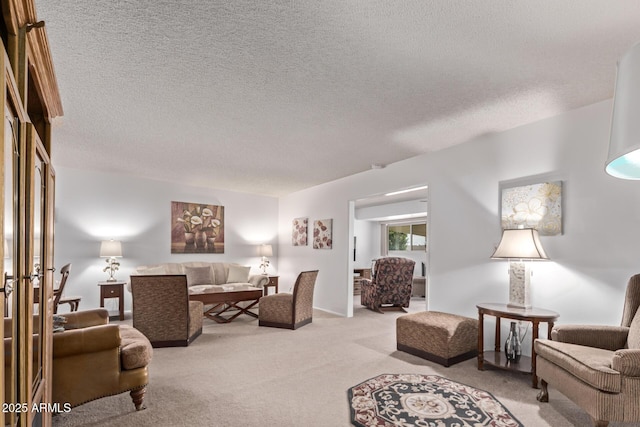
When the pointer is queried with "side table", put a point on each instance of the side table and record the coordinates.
(273, 283)
(497, 358)
(113, 290)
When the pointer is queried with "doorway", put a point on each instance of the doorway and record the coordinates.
(391, 224)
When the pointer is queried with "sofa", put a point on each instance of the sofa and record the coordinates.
(206, 275)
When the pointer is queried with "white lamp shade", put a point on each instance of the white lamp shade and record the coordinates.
(265, 250)
(111, 249)
(522, 243)
(623, 160)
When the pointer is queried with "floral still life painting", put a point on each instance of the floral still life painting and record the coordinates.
(197, 228)
(537, 206)
(322, 230)
(299, 232)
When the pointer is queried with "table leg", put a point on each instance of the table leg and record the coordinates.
(480, 340)
(534, 336)
(497, 342)
(549, 329)
(121, 304)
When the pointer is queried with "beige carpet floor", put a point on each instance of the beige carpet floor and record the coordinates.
(239, 374)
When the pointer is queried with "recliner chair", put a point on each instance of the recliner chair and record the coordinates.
(390, 285)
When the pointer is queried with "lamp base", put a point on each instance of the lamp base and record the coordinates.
(519, 281)
(111, 279)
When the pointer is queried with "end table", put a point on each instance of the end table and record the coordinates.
(113, 290)
(273, 283)
(497, 358)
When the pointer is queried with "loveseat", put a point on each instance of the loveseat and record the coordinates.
(205, 275)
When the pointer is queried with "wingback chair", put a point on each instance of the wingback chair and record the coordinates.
(597, 367)
(162, 310)
(290, 311)
(390, 285)
(93, 359)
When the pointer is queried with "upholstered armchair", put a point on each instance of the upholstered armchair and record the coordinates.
(597, 367)
(93, 358)
(162, 310)
(290, 311)
(390, 285)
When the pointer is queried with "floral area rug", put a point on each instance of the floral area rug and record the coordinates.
(403, 400)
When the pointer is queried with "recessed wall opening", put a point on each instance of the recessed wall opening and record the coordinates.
(393, 224)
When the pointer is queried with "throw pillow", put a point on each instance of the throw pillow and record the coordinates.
(633, 339)
(199, 276)
(152, 271)
(238, 274)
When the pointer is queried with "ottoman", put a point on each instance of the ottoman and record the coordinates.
(443, 338)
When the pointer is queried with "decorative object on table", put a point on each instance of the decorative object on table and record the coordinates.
(623, 160)
(513, 344)
(264, 251)
(537, 206)
(111, 249)
(425, 400)
(322, 231)
(519, 246)
(197, 228)
(299, 231)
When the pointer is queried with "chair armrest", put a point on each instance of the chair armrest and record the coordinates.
(366, 282)
(258, 280)
(600, 336)
(86, 340)
(627, 362)
(86, 318)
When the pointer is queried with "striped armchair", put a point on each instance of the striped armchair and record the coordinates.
(390, 286)
(290, 311)
(598, 367)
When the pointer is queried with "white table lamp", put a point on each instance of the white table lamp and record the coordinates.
(111, 249)
(518, 246)
(265, 251)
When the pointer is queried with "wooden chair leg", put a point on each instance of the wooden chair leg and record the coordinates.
(600, 423)
(137, 396)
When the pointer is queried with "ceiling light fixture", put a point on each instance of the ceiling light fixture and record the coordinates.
(408, 190)
(623, 160)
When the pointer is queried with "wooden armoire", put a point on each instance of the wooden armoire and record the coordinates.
(31, 101)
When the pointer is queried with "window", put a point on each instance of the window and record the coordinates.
(407, 237)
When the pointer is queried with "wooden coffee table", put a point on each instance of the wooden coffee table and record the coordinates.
(227, 300)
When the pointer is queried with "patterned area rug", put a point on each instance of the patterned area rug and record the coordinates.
(425, 401)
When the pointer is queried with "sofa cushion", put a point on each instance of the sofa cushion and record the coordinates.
(633, 339)
(238, 274)
(590, 364)
(199, 276)
(152, 271)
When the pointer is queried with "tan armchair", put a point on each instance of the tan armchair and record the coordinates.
(290, 311)
(597, 367)
(162, 310)
(94, 359)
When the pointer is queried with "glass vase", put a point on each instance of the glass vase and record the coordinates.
(513, 344)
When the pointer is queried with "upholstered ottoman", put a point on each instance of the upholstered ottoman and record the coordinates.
(440, 337)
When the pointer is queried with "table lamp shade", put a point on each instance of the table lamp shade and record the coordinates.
(522, 243)
(265, 250)
(623, 160)
(111, 249)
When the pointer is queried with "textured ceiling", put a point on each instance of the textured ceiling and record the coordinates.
(276, 96)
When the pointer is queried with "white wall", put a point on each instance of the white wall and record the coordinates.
(368, 242)
(91, 207)
(591, 262)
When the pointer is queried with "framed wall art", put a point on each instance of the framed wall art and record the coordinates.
(537, 206)
(322, 234)
(197, 228)
(299, 231)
